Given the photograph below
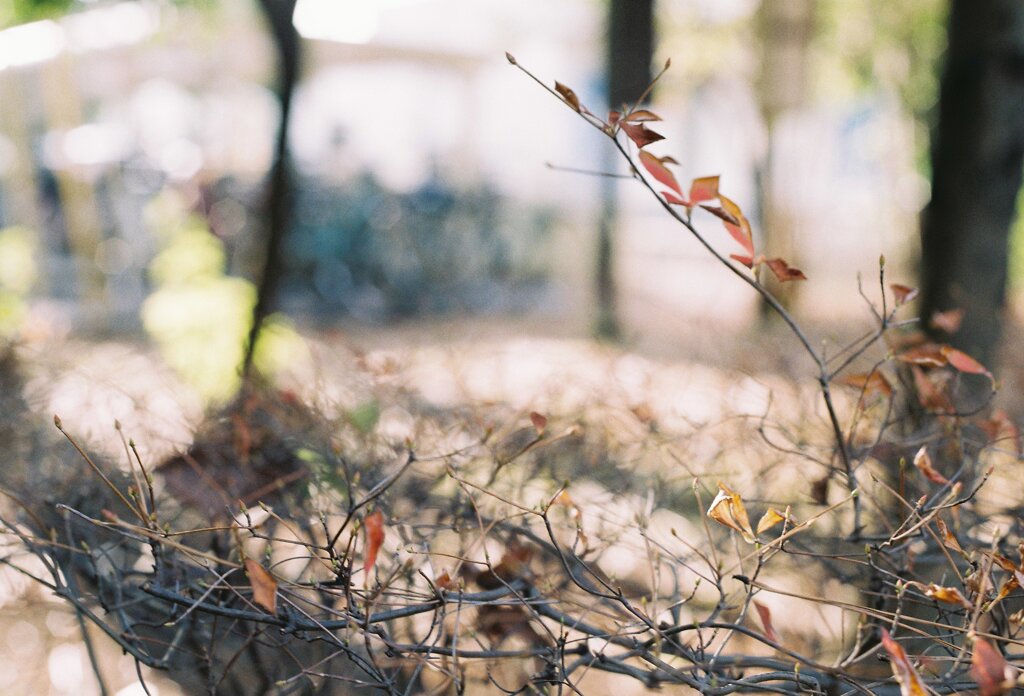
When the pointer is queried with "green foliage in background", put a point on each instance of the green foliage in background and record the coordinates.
(893, 46)
(18, 273)
(198, 315)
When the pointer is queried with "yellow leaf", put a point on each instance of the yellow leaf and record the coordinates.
(727, 508)
(769, 519)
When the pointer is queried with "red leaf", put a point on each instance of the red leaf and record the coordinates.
(613, 117)
(569, 96)
(703, 189)
(640, 134)
(928, 355)
(656, 166)
(740, 230)
(963, 362)
(264, 586)
(783, 271)
(923, 462)
(641, 115)
(948, 321)
(539, 422)
(374, 524)
(990, 670)
(902, 669)
(902, 293)
(721, 213)
(747, 261)
(766, 621)
(674, 199)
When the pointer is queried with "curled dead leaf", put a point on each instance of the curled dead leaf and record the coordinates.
(949, 595)
(727, 509)
(569, 96)
(769, 519)
(990, 670)
(923, 462)
(264, 586)
(909, 680)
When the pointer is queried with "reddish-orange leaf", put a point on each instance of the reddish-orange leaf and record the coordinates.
(264, 586)
(374, 524)
(747, 261)
(948, 321)
(923, 462)
(783, 271)
(908, 678)
(990, 670)
(656, 166)
(721, 213)
(766, 621)
(962, 361)
(641, 115)
(902, 293)
(870, 383)
(703, 189)
(640, 134)
(569, 96)
(445, 581)
(674, 199)
(539, 422)
(613, 117)
(740, 230)
(928, 355)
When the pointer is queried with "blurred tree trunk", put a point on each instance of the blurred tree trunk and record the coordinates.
(278, 202)
(786, 28)
(630, 47)
(977, 160)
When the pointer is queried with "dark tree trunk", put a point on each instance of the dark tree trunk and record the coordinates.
(977, 160)
(628, 65)
(278, 203)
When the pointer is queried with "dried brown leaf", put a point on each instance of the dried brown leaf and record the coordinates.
(264, 586)
(569, 96)
(905, 673)
(923, 462)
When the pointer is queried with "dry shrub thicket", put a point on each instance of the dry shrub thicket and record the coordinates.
(858, 534)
